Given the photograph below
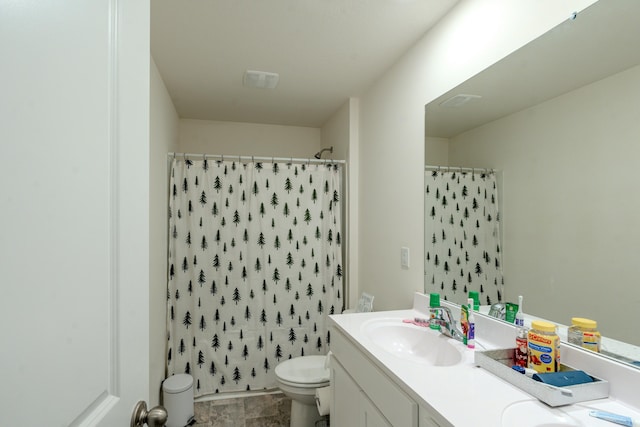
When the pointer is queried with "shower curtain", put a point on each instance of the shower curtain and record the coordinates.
(462, 236)
(255, 267)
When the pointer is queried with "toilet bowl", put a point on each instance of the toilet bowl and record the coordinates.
(298, 378)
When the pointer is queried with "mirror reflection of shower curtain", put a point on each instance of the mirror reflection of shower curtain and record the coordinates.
(255, 267)
(462, 236)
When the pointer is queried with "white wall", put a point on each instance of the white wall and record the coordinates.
(341, 133)
(163, 135)
(570, 202)
(436, 151)
(474, 35)
(335, 133)
(248, 139)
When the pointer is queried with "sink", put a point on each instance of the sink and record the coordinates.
(533, 413)
(413, 343)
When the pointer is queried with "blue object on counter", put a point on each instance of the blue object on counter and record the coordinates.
(524, 371)
(614, 418)
(564, 378)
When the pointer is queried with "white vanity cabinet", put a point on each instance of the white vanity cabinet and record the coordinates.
(363, 395)
(428, 419)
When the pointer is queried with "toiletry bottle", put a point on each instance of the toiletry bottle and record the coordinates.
(476, 299)
(464, 322)
(543, 347)
(471, 333)
(521, 356)
(434, 304)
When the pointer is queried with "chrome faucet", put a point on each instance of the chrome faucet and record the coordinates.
(442, 317)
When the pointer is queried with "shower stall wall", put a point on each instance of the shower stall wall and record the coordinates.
(255, 267)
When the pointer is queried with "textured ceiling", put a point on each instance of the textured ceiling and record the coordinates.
(324, 50)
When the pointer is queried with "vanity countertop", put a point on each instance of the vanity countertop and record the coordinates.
(465, 394)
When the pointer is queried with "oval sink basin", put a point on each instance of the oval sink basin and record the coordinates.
(536, 414)
(413, 343)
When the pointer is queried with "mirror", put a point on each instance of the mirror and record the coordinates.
(559, 119)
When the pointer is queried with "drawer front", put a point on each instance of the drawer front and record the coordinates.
(396, 406)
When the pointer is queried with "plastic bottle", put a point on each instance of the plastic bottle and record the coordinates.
(434, 304)
(521, 356)
(471, 334)
(543, 347)
(584, 332)
(476, 299)
(464, 322)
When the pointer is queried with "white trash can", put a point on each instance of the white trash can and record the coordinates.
(178, 399)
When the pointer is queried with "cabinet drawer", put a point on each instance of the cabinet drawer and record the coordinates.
(393, 403)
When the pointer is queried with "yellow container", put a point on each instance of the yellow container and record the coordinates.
(584, 332)
(544, 347)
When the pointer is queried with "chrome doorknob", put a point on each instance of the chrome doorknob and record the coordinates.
(155, 417)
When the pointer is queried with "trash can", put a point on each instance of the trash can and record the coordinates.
(178, 399)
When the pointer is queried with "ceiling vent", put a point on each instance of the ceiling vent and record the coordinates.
(260, 79)
(458, 100)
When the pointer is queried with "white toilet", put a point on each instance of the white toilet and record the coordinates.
(299, 378)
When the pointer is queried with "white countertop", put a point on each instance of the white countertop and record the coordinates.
(464, 394)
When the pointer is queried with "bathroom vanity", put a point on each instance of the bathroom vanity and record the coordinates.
(385, 372)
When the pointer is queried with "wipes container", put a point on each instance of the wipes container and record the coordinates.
(543, 347)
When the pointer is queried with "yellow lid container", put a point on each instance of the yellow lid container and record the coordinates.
(543, 326)
(543, 345)
(581, 322)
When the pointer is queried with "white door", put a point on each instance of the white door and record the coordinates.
(74, 238)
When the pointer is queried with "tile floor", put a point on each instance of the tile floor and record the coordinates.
(270, 410)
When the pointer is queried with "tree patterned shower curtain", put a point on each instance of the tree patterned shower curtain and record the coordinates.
(462, 236)
(255, 267)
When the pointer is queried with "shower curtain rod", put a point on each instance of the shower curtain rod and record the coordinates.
(255, 158)
(457, 168)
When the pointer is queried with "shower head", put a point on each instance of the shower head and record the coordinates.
(318, 155)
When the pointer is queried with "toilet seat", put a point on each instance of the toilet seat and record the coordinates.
(304, 371)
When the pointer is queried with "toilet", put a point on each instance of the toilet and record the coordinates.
(299, 378)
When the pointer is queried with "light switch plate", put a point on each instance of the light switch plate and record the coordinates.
(404, 257)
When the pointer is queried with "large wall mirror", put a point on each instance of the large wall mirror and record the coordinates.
(559, 120)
